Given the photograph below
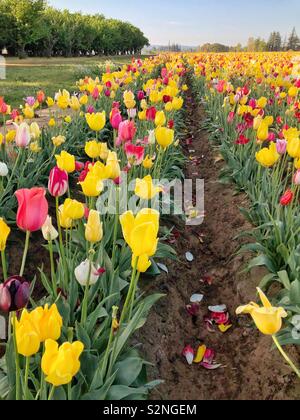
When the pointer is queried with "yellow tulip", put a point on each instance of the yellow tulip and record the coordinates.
(28, 340)
(291, 134)
(160, 118)
(177, 103)
(92, 186)
(293, 148)
(143, 263)
(35, 147)
(141, 232)
(58, 141)
(64, 221)
(148, 162)
(92, 149)
(66, 162)
(293, 91)
(145, 189)
(142, 115)
(262, 102)
(73, 209)
(61, 364)
(4, 234)
(47, 321)
(10, 136)
(97, 121)
(28, 112)
(83, 100)
(104, 152)
(94, 228)
(169, 107)
(35, 131)
(257, 122)
(52, 122)
(267, 157)
(267, 319)
(99, 171)
(263, 131)
(68, 119)
(74, 103)
(50, 102)
(113, 170)
(164, 136)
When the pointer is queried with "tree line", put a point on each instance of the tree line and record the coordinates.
(31, 27)
(275, 43)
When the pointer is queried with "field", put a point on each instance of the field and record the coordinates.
(107, 267)
(23, 77)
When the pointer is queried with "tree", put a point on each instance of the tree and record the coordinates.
(293, 41)
(275, 42)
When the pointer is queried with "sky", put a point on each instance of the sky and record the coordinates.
(195, 22)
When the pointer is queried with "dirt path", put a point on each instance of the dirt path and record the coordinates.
(250, 369)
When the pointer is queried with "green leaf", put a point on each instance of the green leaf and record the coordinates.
(128, 370)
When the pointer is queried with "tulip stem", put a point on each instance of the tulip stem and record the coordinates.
(129, 294)
(61, 245)
(87, 289)
(115, 237)
(136, 280)
(51, 393)
(25, 253)
(286, 357)
(4, 267)
(26, 378)
(17, 361)
(53, 276)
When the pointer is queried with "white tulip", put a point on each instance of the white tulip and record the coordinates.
(151, 137)
(23, 135)
(49, 231)
(82, 273)
(3, 169)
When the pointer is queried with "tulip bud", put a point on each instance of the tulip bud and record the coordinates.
(14, 294)
(94, 228)
(3, 169)
(23, 135)
(58, 182)
(48, 230)
(82, 273)
(287, 198)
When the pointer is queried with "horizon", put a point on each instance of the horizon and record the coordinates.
(192, 30)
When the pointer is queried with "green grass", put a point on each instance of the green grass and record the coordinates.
(26, 77)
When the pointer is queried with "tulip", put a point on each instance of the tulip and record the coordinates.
(64, 221)
(94, 228)
(148, 162)
(141, 232)
(143, 263)
(61, 364)
(92, 149)
(151, 113)
(40, 96)
(140, 95)
(267, 319)
(160, 119)
(4, 233)
(134, 154)
(47, 321)
(293, 148)
(145, 189)
(115, 118)
(48, 230)
(113, 170)
(127, 131)
(296, 178)
(73, 209)
(10, 136)
(14, 294)
(82, 274)
(151, 137)
(287, 198)
(97, 121)
(164, 137)
(281, 146)
(177, 104)
(92, 186)
(32, 210)
(58, 182)
(27, 337)
(267, 157)
(23, 135)
(104, 152)
(3, 169)
(66, 162)
(35, 131)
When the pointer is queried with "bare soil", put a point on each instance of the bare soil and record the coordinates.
(251, 369)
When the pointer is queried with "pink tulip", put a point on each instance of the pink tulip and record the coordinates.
(127, 131)
(140, 95)
(30, 100)
(281, 146)
(135, 154)
(95, 93)
(23, 136)
(90, 109)
(58, 182)
(297, 178)
(116, 118)
(32, 210)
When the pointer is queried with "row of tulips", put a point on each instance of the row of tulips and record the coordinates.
(74, 342)
(253, 107)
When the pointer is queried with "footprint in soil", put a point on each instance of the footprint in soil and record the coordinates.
(170, 328)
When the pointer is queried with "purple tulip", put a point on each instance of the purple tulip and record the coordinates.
(14, 294)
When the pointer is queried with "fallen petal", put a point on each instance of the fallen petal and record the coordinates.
(224, 328)
(189, 256)
(189, 354)
(197, 298)
(163, 268)
(220, 309)
(200, 354)
(210, 366)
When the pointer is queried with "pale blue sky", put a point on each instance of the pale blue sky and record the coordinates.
(194, 22)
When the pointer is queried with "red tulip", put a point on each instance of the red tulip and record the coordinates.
(135, 154)
(287, 198)
(140, 95)
(151, 113)
(58, 182)
(33, 209)
(127, 131)
(14, 294)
